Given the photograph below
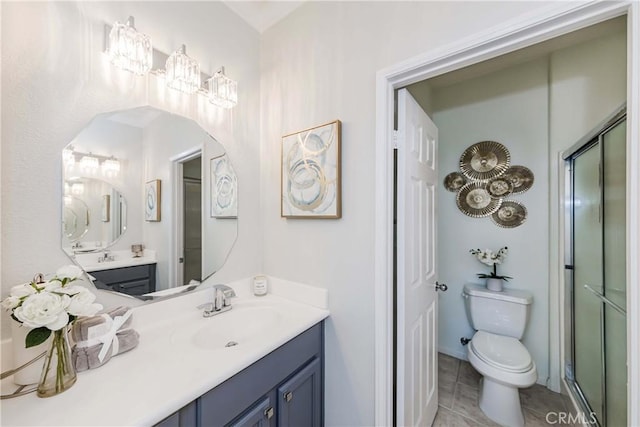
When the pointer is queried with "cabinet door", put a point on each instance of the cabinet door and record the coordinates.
(299, 399)
(259, 415)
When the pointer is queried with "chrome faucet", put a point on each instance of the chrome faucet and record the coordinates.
(221, 303)
(106, 256)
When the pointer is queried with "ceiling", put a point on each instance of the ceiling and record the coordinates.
(262, 14)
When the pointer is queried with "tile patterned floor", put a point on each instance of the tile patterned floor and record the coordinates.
(458, 398)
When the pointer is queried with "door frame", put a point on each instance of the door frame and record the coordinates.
(510, 36)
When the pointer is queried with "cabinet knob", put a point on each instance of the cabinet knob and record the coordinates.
(268, 413)
(288, 396)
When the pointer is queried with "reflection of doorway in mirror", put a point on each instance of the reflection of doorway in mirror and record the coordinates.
(190, 223)
(106, 208)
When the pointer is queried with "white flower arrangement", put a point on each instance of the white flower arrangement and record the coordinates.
(491, 259)
(51, 305)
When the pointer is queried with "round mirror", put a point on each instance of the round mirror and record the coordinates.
(150, 201)
(75, 219)
(94, 215)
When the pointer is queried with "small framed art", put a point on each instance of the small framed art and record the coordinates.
(152, 199)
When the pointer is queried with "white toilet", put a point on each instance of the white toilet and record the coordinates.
(496, 352)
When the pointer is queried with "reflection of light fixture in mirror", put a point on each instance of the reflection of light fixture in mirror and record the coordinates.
(182, 72)
(68, 159)
(77, 188)
(223, 91)
(110, 167)
(89, 164)
(130, 49)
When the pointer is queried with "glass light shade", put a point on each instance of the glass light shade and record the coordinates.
(89, 164)
(130, 49)
(111, 167)
(68, 159)
(77, 188)
(182, 72)
(223, 91)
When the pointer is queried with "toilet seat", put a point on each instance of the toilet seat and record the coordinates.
(504, 353)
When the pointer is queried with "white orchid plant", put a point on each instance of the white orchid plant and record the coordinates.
(51, 305)
(491, 259)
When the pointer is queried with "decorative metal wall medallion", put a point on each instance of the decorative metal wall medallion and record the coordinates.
(454, 181)
(499, 187)
(521, 177)
(484, 160)
(474, 200)
(511, 214)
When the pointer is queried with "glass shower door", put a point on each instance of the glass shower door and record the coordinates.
(598, 370)
(588, 268)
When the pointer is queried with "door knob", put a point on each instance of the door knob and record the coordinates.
(441, 287)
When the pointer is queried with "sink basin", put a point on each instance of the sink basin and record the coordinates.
(234, 328)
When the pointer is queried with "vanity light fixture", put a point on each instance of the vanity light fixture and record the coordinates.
(89, 164)
(182, 72)
(130, 49)
(223, 91)
(68, 158)
(111, 167)
(77, 188)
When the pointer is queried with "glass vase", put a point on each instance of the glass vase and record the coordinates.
(58, 373)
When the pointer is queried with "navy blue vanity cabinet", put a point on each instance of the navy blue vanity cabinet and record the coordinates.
(283, 389)
(135, 280)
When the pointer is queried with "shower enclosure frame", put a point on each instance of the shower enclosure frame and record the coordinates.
(590, 140)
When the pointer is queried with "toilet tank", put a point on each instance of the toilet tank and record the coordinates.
(502, 313)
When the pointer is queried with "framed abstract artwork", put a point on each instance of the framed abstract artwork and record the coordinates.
(310, 180)
(152, 199)
(224, 188)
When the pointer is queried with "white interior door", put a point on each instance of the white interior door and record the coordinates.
(417, 302)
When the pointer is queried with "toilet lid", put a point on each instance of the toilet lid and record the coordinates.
(506, 353)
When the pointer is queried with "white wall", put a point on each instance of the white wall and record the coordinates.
(317, 65)
(511, 107)
(55, 78)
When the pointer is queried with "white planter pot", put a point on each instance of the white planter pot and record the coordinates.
(494, 284)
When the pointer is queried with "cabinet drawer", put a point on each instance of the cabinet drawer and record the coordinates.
(125, 274)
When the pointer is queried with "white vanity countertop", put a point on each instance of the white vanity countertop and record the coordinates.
(168, 369)
(89, 261)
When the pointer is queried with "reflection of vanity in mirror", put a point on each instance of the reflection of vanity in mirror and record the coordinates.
(146, 176)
